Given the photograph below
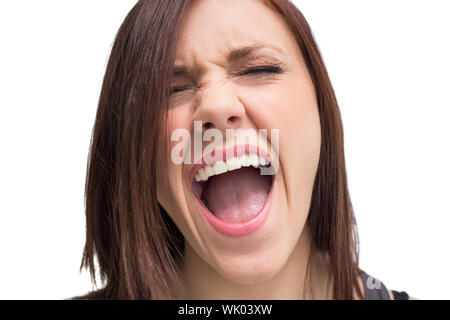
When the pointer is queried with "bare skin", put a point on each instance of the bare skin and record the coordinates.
(271, 262)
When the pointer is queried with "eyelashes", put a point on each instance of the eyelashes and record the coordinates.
(175, 90)
(253, 71)
(271, 69)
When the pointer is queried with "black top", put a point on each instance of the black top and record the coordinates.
(400, 295)
(376, 290)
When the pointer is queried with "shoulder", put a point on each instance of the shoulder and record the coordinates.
(374, 289)
(400, 295)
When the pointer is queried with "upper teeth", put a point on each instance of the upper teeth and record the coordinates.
(219, 167)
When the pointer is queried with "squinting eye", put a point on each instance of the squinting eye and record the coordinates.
(271, 69)
(262, 69)
(175, 90)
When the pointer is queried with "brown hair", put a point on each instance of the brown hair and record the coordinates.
(130, 236)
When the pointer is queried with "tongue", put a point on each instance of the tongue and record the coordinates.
(238, 195)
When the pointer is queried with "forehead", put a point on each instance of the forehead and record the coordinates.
(212, 29)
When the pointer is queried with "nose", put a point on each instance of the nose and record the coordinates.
(218, 106)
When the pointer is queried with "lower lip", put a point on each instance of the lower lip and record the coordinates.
(240, 229)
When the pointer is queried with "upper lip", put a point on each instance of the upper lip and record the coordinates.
(226, 152)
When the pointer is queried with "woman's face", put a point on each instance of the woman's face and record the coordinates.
(218, 90)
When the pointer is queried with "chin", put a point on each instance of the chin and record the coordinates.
(253, 268)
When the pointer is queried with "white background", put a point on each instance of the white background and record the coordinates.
(389, 65)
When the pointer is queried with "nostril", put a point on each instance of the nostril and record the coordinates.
(207, 125)
(232, 119)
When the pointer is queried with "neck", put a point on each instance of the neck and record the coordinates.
(204, 282)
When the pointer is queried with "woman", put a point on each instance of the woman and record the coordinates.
(165, 229)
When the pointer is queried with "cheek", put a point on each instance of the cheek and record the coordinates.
(300, 141)
(169, 174)
(301, 129)
(291, 107)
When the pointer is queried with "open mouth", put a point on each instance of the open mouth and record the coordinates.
(234, 191)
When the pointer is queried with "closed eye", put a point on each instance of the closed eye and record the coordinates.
(175, 90)
(259, 70)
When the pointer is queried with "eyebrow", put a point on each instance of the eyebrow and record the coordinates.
(245, 51)
(235, 55)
